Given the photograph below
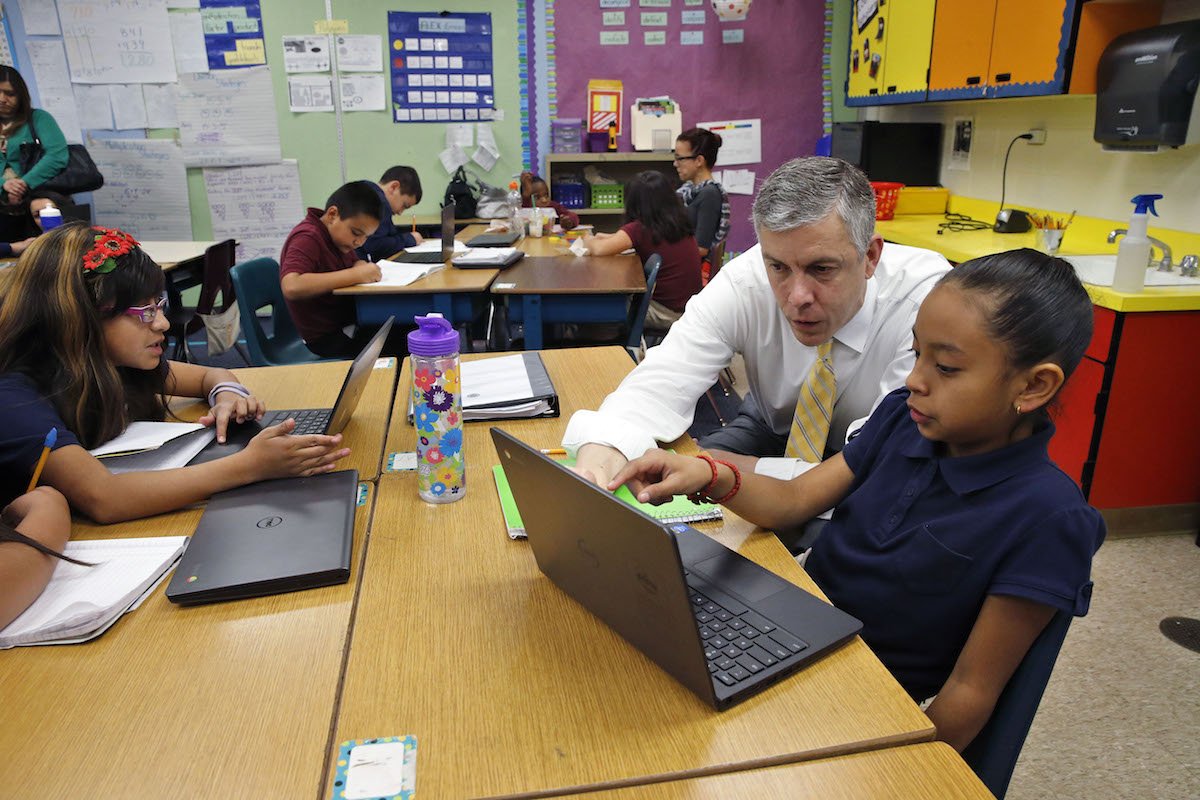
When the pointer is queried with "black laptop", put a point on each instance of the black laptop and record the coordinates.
(270, 537)
(447, 250)
(494, 240)
(719, 623)
(328, 421)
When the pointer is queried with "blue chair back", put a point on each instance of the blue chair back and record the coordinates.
(637, 320)
(256, 284)
(993, 753)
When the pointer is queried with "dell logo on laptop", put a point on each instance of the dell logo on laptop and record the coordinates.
(270, 522)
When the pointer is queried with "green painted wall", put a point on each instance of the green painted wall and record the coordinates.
(372, 141)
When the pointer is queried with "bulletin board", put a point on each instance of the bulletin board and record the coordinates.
(441, 66)
(233, 33)
(771, 70)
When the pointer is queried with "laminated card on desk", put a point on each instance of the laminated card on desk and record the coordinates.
(81, 602)
(507, 387)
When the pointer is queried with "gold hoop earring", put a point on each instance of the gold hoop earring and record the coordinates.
(1017, 406)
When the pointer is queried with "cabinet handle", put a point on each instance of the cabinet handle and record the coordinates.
(972, 80)
(891, 88)
(1002, 77)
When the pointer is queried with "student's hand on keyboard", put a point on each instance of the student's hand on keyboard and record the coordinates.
(660, 475)
(275, 453)
(232, 407)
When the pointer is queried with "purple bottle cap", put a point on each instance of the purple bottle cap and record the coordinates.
(434, 336)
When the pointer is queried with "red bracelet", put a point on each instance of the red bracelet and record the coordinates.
(702, 495)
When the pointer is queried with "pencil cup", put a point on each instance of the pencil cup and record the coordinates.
(1049, 240)
(437, 410)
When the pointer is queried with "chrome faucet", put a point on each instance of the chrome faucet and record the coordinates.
(1189, 266)
(1164, 265)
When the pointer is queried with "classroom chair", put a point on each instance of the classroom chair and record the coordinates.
(637, 317)
(256, 283)
(712, 262)
(215, 280)
(994, 752)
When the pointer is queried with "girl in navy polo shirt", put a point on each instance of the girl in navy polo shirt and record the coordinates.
(955, 538)
(82, 329)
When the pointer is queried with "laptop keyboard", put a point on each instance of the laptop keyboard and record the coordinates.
(420, 258)
(738, 643)
(308, 420)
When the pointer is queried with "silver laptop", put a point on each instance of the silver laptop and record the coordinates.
(447, 243)
(328, 421)
(719, 623)
(270, 537)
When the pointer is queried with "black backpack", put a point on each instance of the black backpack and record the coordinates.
(462, 194)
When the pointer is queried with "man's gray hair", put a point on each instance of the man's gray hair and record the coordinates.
(805, 190)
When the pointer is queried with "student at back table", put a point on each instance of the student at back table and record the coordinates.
(82, 328)
(319, 256)
(398, 190)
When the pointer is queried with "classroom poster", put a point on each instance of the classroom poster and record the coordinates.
(117, 41)
(233, 34)
(145, 188)
(227, 118)
(257, 206)
(441, 66)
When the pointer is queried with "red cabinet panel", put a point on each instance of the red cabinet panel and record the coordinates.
(1075, 418)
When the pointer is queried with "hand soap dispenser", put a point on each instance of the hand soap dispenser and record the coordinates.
(1133, 254)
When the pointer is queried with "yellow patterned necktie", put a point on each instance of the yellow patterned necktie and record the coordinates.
(810, 423)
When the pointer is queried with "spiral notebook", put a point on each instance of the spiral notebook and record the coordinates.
(679, 509)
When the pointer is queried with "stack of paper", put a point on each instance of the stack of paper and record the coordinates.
(505, 387)
(486, 255)
(433, 246)
(80, 603)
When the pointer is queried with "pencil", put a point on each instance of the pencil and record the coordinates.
(414, 219)
(554, 451)
(51, 438)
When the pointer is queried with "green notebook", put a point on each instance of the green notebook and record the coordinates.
(679, 509)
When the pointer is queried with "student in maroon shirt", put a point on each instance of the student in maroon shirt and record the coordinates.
(657, 222)
(318, 257)
(536, 194)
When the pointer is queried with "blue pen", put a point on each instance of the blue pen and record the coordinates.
(51, 438)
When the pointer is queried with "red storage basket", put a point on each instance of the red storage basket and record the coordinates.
(886, 195)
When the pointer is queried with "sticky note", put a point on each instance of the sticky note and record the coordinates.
(331, 26)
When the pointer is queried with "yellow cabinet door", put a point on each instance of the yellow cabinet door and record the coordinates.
(1027, 47)
(910, 41)
(868, 56)
(962, 46)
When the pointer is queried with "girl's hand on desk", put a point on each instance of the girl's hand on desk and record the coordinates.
(275, 453)
(232, 406)
(658, 476)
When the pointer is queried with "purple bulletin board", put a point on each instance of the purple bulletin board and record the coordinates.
(773, 75)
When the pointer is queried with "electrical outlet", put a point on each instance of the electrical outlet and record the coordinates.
(1038, 134)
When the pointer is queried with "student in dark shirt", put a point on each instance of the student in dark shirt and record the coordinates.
(82, 329)
(656, 222)
(398, 190)
(319, 256)
(706, 200)
(955, 538)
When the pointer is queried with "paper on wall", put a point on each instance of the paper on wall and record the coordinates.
(485, 157)
(187, 40)
(128, 106)
(363, 93)
(741, 140)
(462, 135)
(40, 18)
(306, 54)
(160, 105)
(310, 93)
(95, 107)
(738, 181)
(183, 3)
(258, 206)
(49, 64)
(452, 158)
(227, 118)
(360, 53)
(145, 188)
(691, 37)
(117, 41)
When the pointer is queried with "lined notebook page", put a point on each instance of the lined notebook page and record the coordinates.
(79, 599)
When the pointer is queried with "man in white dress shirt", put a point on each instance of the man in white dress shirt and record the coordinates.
(819, 272)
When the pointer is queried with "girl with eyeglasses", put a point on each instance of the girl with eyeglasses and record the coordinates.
(82, 329)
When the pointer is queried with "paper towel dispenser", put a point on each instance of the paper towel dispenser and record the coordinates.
(1146, 89)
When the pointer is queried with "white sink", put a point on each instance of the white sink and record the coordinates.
(1098, 270)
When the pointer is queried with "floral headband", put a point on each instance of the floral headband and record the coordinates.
(110, 243)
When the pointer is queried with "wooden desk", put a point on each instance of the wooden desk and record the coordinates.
(554, 285)
(512, 688)
(451, 292)
(931, 770)
(223, 700)
(169, 254)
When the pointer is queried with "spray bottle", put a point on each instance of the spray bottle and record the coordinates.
(1133, 254)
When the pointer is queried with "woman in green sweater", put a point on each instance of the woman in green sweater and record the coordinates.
(16, 117)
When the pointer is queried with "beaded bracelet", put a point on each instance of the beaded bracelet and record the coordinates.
(702, 496)
(226, 386)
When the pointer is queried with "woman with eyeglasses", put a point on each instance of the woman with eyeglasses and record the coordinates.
(82, 328)
(706, 201)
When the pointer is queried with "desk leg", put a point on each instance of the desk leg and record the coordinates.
(531, 305)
